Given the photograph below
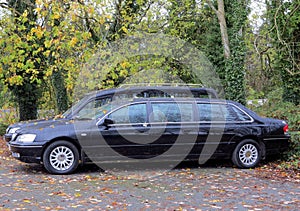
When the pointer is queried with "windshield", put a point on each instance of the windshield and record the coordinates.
(69, 112)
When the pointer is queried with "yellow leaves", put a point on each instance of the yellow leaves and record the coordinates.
(47, 53)
(102, 20)
(73, 41)
(125, 64)
(58, 193)
(77, 195)
(48, 72)
(39, 2)
(56, 16)
(91, 10)
(26, 201)
(15, 80)
(124, 29)
(20, 65)
(86, 35)
(25, 14)
(38, 9)
(48, 43)
(39, 32)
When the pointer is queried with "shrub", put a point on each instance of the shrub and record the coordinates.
(7, 116)
(277, 108)
(2, 128)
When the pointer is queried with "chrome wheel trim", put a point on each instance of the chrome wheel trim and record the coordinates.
(248, 154)
(61, 158)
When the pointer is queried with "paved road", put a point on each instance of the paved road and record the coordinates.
(29, 187)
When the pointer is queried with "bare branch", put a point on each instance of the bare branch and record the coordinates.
(284, 43)
(212, 6)
(4, 5)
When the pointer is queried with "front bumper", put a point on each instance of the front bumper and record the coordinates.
(26, 153)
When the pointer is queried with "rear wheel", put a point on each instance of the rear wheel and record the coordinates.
(61, 157)
(247, 154)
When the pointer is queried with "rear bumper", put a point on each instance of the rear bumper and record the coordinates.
(276, 145)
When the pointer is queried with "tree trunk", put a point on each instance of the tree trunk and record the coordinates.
(223, 26)
(27, 98)
(60, 91)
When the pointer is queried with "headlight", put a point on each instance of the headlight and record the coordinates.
(26, 138)
(13, 130)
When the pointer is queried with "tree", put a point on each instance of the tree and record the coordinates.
(284, 25)
(20, 57)
(232, 18)
(42, 43)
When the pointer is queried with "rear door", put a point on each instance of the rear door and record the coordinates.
(216, 129)
(173, 129)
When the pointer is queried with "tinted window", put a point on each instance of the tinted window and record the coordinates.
(136, 113)
(242, 116)
(216, 112)
(172, 112)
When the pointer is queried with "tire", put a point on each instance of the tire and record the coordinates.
(61, 157)
(247, 154)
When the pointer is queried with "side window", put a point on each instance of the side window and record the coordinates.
(215, 112)
(204, 112)
(172, 112)
(242, 116)
(136, 113)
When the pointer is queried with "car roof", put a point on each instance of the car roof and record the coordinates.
(171, 90)
(184, 99)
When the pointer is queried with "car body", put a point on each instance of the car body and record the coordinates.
(120, 93)
(150, 128)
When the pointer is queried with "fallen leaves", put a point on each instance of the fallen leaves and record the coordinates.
(274, 172)
(29, 187)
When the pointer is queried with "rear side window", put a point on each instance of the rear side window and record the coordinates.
(242, 116)
(172, 112)
(212, 112)
(221, 112)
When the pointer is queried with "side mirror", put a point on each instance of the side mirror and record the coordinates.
(108, 122)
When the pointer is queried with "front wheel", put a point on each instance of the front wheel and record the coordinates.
(61, 157)
(247, 154)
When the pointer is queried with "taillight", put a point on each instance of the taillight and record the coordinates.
(286, 128)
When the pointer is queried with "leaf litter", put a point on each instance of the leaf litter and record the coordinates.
(30, 187)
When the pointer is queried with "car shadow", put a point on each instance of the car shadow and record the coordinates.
(35, 169)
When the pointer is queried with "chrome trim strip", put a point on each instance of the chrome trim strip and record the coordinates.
(25, 146)
(269, 139)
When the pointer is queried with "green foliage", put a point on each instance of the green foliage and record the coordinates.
(275, 107)
(8, 115)
(292, 157)
(2, 128)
